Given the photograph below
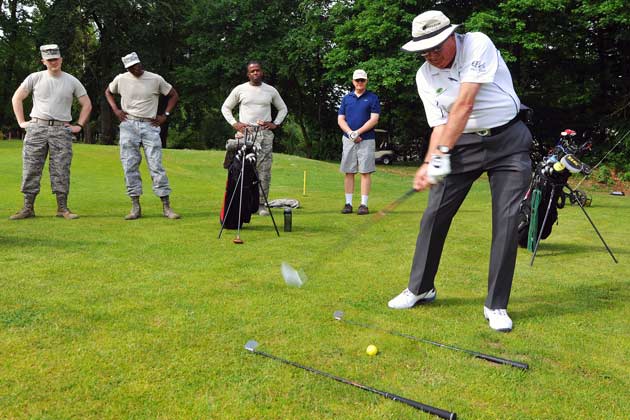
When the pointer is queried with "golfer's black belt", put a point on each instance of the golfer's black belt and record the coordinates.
(496, 130)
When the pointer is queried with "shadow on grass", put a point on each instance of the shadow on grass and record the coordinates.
(568, 299)
(564, 300)
(553, 250)
(21, 241)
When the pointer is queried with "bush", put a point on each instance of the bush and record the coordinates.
(604, 175)
(185, 139)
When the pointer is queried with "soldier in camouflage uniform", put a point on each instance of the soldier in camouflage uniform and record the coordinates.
(255, 99)
(49, 131)
(140, 127)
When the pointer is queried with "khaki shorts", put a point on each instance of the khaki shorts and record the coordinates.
(358, 157)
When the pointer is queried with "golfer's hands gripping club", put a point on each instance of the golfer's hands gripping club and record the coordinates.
(432, 172)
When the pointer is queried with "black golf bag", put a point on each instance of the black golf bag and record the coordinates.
(232, 199)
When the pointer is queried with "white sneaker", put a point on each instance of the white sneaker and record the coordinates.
(498, 319)
(407, 299)
(262, 211)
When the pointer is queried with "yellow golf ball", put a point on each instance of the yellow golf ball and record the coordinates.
(371, 350)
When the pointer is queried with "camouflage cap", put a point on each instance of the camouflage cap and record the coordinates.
(50, 51)
(130, 59)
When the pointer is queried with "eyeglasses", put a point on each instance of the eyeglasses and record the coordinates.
(435, 50)
(360, 80)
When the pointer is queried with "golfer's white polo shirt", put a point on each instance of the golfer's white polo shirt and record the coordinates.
(478, 61)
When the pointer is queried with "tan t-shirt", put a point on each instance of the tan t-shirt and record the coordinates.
(52, 95)
(139, 96)
(255, 104)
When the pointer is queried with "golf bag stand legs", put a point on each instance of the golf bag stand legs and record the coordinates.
(572, 194)
(266, 202)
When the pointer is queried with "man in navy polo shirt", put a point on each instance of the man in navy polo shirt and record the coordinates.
(358, 115)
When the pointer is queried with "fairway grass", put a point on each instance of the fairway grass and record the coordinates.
(102, 318)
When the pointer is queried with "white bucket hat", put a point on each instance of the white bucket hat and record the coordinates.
(130, 59)
(50, 51)
(429, 30)
(359, 74)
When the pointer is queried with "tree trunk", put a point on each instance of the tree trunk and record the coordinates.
(11, 30)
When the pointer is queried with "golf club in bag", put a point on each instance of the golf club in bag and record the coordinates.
(547, 191)
(251, 346)
(242, 184)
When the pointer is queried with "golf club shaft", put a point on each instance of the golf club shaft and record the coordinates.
(487, 357)
(392, 206)
(602, 159)
(420, 406)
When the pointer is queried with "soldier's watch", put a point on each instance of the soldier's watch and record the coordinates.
(444, 149)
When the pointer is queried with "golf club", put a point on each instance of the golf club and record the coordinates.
(392, 206)
(289, 273)
(251, 345)
(291, 276)
(338, 315)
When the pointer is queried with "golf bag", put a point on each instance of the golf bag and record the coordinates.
(539, 209)
(535, 204)
(241, 165)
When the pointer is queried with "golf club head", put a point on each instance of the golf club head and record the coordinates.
(338, 315)
(291, 276)
(251, 345)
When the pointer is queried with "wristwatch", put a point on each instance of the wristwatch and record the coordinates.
(444, 149)
(168, 114)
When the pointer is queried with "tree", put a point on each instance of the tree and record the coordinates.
(18, 53)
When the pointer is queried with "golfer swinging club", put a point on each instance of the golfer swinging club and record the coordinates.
(470, 103)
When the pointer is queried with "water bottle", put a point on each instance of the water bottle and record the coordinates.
(287, 219)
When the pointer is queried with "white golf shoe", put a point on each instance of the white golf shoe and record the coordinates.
(498, 319)
(407, 299)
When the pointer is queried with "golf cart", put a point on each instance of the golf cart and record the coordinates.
(384, 153)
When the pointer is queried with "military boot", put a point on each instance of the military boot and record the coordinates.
(28, 210)
(168, 211)
(136, 211)
(62, 207)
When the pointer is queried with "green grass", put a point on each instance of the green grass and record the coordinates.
(102, 318)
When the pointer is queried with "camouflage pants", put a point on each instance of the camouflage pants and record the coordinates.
(40, 141)
(263, 164)
(136, 134)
